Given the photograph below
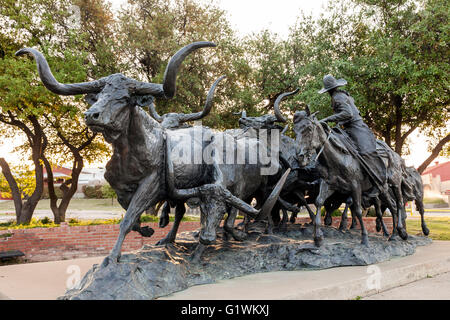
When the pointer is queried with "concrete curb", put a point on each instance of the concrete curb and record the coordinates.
(390, 279)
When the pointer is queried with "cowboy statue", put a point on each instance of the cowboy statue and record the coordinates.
(347, 116)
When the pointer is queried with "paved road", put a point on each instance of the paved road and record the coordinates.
(435, 288)
(98, 214)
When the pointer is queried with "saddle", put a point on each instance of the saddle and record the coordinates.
(342, 141)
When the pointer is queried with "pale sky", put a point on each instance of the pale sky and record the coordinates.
(247, 16)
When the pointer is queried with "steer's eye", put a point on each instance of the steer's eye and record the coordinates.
(91, 98)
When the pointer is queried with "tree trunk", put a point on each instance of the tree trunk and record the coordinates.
(13, 186)
(51, 190)
(398, 124)
(38, 143)
(59, 212)
(437, 149)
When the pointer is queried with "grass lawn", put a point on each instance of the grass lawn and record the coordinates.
(434, 201)
(439, 227)
(75, 204)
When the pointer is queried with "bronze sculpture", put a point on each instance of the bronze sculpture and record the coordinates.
(141, 145)
(332, 166)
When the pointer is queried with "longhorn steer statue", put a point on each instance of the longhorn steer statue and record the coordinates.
(137, 169)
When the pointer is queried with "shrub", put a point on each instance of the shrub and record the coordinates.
(45, 220)
(93, 192)
(46, 195)
(108, 192)
(336, 213)
(6, 235)
(371, 212)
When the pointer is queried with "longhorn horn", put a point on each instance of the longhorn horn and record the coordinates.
(168, 88)
(314, 114)
(52, 84)
(243, 114)
(276, 105)
(273, 197)
(154, 113)
(170, 75)
(208, 104)
(308, 111)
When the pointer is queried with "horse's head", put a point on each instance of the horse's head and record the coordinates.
(308, 136)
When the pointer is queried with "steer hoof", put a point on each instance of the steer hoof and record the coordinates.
(318, 241)
(239, 235)
(425, 231)
(328, 221)
(402, 233)
(394, 237)
(197, 254)
(146, 232)
(163, 221)
(378, 225)
(111, 259)
(164, 241)
(365, 240)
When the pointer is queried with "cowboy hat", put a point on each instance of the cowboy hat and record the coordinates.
(329, 82)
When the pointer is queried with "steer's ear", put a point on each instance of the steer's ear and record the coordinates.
(144, 101)
(91, 98)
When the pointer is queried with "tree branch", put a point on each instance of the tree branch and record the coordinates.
(437, 149)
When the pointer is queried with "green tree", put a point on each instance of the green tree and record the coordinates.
(52, 124)
(150, 31)
(393, 53)
(108, 192)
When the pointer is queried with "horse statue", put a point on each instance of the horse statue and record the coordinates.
(344, 174)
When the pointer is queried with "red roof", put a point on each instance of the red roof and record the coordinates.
(61, 170)
(442, 169)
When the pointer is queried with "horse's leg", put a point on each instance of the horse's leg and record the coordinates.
(324, 193)
(275, 215)
(180, 210)
(394, 233)
(354, 223)
(145, 196)
(164, 217)
(283, 224)
(357, 210)
(420, 208)
(228, 226)
(380, 221)
(300, 195)
(401, 213)
(270, 222)
(293, 217)
(344, 218)
(328, 220)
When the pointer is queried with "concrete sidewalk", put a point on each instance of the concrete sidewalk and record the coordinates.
(335, 283)
(431, 288)
(42, 280)
(48, 280)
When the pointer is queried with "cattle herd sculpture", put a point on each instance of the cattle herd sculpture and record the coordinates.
(165, 159)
